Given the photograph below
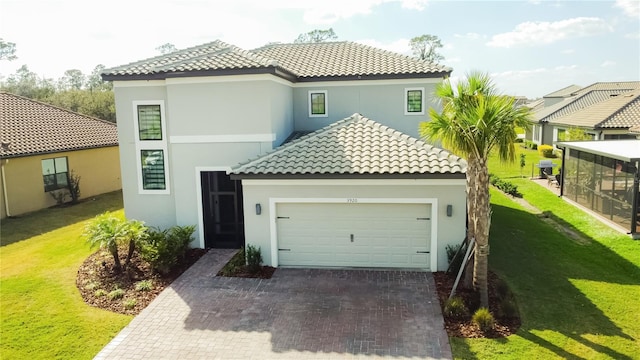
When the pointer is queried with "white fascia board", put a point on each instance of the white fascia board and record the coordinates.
(230, 138)
(353, 182)
(137, 83)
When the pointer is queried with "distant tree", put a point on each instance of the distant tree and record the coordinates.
(574, 134)
(316, 36)
(99, 104)
(166, 48)
(73, 79)
(95, 82)
(425, 47)
(7, 50)
(27, 83)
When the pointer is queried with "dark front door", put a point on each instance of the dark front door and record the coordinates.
(222, 210)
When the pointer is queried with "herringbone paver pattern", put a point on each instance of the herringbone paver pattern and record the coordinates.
(297, 314)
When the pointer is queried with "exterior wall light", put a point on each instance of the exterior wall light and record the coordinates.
(258, 209)
(449, 210)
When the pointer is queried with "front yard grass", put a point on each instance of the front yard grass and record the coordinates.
(42, 313)
(577, 299)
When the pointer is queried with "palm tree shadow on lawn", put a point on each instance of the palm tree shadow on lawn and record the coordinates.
(542, 266)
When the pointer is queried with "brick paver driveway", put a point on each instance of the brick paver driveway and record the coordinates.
(297, 314)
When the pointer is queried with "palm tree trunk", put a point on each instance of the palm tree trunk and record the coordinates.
(481, 228)
(132, 248)
(113, 249)
(467, 282)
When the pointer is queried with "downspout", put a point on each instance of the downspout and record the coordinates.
(562, 171)
(4, 188)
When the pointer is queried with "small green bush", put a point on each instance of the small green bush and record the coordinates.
(237, 261)
(130, 304)
(254, 258)
(91, 286)
(454, 264)
(100, 293)
(546, 151)
(483, 319)
(455, 308)
(504, 186)
(164, 249)
(116, 294)
(144, 285)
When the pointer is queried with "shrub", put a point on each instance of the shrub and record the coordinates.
(254, 258)
(505, 186)
(130, 304)
(100, 293)
(164, 249)
(483, 319)
(59, 196)
(455, 308)
(144, 285)
(116, 294)
(91, 286)
(546, 151)
(237, 261)
(74, 186)
(454, 264)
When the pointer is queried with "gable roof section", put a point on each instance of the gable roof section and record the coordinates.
(295, 62)
(354, 146)
(622, 111)
(584, 98)
(29, 127)
(564, 92)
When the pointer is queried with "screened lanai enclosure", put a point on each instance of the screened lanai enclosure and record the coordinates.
(603, 177)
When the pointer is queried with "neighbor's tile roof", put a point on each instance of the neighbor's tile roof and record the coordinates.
(584, 98)
(564, 92)
(355, 145)
(300, 61)
(29, 127)
(622, 111)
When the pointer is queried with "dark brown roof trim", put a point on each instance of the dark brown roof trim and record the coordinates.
(441, 74)
(26, 154)
(387, 176)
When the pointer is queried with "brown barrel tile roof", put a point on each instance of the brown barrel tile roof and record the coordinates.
(299, 61)
(29, 127)
(355, 145)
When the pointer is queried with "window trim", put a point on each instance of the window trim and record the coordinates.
(66, 160)
(151, 145)
(406, 101)
(326, 103)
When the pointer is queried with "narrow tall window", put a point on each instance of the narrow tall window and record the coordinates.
(414, 101)
(318, 106)
(55, 173)
(151, 147)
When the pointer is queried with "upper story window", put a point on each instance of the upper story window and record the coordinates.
(151, 147)
(55, 173)
(414, 101)
(318, 104)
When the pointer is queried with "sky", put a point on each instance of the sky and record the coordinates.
(530, 48)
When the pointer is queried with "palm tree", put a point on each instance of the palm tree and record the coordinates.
(475, 120)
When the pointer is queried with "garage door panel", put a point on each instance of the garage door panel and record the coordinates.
(384, 235)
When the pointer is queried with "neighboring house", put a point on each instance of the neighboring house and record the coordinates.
(42, 144)
(545, 127)
(356, 192)
(602, 177)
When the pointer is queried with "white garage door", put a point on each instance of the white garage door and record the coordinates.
(354, 235)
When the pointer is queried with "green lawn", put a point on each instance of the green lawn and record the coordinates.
(42, 314)
(578, 299)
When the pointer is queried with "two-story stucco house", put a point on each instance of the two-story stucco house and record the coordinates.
(309, 151)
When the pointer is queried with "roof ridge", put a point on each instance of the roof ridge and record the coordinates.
(89, 117)
(634, 96)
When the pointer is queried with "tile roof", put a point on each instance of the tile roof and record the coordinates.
(584, 98)
(354, 146)
(621, 111)
(298, 62)
(29, 127)
(564, 92)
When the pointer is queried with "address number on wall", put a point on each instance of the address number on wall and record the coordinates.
(352, 200)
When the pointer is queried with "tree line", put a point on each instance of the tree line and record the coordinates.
(88, 94)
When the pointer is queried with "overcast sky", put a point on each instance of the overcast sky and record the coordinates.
(529, 47)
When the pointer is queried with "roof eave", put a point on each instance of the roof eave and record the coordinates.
(430, 75)
(36, 153)
(276, 71)
(316, 176)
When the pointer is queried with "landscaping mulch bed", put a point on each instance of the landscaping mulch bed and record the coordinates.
(265, 272)
(464, 328)
(96, 273)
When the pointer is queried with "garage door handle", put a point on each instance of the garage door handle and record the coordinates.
(351, 237)
(284, 249)
(423, 218)
(422, 252)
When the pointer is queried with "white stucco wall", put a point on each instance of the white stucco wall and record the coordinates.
(450, 230)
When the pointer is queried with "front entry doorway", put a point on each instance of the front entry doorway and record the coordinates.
(222, 210)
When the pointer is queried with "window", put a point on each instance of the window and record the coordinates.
(414, 101)
(536, 133)
(318, 105)
(55, 173)
(151, 147)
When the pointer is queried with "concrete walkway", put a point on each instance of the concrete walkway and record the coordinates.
(297, 314)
